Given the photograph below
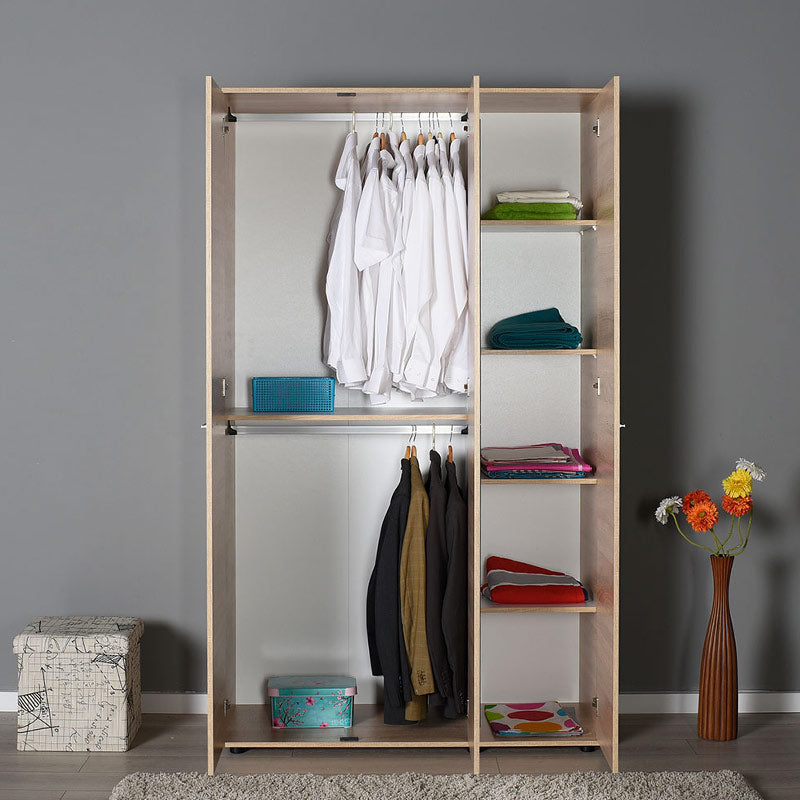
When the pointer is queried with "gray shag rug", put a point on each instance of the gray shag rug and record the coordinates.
(723, 785)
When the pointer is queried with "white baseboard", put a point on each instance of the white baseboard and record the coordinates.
(629, 703)
(686, 703)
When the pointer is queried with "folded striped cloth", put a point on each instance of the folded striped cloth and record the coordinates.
(515, 582)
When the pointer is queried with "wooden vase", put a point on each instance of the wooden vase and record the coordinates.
(717, 712)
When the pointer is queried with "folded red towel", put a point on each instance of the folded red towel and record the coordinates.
(516, 582)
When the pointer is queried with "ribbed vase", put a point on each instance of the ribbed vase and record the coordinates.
(718, 709)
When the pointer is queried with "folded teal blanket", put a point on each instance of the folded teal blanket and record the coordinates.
(536, 330)
(532, 211)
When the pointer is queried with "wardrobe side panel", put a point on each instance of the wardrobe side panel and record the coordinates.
(474, 437)
(600, 415)
(220, 480)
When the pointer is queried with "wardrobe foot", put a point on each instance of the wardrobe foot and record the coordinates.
(236, 750)
(589, 749)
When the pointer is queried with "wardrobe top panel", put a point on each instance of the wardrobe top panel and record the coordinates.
(541, 101)
(333, 99)
(344, 99)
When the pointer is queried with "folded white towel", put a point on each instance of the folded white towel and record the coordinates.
(532, 195)
(537, 196)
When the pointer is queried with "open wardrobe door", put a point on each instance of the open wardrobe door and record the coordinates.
(600, 416)
(220, 507)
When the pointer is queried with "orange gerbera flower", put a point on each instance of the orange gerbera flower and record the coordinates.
(703, 516)
(691, 499)
(738, 506)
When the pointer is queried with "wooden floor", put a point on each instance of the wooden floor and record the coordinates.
(767, 752)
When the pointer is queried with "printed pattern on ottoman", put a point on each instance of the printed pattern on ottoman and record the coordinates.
(79, 683)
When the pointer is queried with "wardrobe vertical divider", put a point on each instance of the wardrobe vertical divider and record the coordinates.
(474, 439)
(220, 466)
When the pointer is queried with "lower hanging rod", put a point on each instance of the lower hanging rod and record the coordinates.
(348, 430)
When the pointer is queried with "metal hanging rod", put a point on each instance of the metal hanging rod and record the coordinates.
(347, 430)
(368, 117)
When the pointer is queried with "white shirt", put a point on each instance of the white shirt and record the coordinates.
(403, 179)
(343, 344)
(457, 366)
(373, 243)
(418, 280)
(379, 383)
(440, 315)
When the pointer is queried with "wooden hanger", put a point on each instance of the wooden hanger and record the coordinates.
(414, 451)
(408, 452)
(450, 453)
(383, 141)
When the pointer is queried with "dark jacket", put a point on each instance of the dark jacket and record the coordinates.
(436, 581)
(384, 627)
(454, 604)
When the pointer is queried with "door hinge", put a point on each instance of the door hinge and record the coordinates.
(596, 706)
(596, 385)
(596, 127)
(226, 704)
(225, 387)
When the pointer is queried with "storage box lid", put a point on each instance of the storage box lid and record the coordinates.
(79, 635)
(311, 685)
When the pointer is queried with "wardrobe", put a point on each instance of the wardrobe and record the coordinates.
(293, 516)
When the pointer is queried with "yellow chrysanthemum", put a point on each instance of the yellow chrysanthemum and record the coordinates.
(738, 484)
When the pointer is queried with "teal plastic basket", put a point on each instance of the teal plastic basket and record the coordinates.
(293, 395)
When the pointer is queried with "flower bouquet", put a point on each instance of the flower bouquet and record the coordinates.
(717, 711)
(703, 515)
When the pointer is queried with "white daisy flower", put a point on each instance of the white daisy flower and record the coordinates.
(669, 505)
(755, 471)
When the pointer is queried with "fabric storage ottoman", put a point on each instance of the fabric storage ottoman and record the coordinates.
(79, 683)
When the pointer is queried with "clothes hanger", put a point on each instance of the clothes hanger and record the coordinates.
(408, 446)
(450, 447)
(403, 136)
(452, 128)
(433, 437)
(413, 446)
(383, 132)
(353, 125)
(420, 138)
(430, 125)
(375, 135)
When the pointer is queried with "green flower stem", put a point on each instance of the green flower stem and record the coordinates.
(740, 548)
(733, 519)
(717, 542)
(701, 546)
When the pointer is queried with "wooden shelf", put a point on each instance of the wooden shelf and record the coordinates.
(365, 415)
(580, 351)
(487, 607)
(540, 481)
(538, 225)
(585, 716)
(250, 726)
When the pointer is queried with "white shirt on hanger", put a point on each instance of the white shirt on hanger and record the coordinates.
(418, 281)
(373, 243)
(379, 383)
(457, 369)
(343, 343)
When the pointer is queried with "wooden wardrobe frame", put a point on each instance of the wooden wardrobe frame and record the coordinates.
(597, 704)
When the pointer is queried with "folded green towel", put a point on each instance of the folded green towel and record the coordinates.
(532, 211)
(536, 330)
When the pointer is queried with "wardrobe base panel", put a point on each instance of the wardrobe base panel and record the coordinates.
(250, 726)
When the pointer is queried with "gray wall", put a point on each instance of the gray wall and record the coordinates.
(101, 308)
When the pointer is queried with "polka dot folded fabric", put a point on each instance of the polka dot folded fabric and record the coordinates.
(530, 719)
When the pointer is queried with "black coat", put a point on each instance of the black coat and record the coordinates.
(454, 604)
(436, 558)
(387, 650)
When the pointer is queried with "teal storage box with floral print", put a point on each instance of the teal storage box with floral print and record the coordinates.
(312, 701)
